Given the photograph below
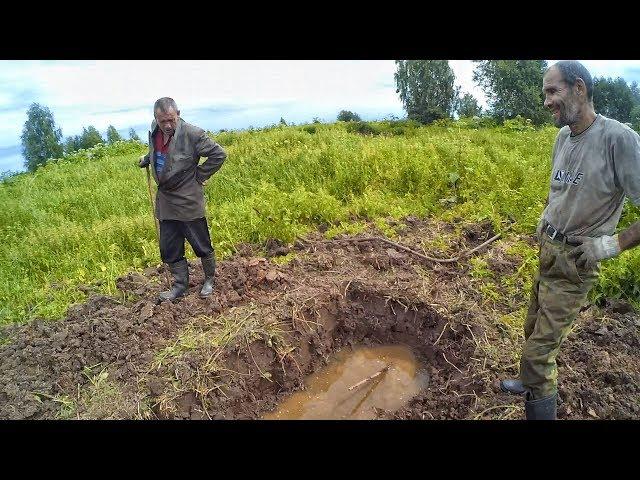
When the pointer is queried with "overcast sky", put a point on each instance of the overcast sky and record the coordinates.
(211, 94)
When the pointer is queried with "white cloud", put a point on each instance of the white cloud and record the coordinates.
(121, 84)
(122, 92)
(463, 70)
(611, 68)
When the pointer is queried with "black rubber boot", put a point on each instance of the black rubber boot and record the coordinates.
(512, 386)
(209, 267)
(542, 408)
(180, 272)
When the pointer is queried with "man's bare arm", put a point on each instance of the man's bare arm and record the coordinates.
(630, 237)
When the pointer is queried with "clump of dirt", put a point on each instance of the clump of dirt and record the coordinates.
(242, 351)
(598, 368)
(44, 364)
(480, 231)
(275, 248)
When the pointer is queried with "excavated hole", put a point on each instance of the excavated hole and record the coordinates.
(355, 336)
(382, 355)
(357, 385)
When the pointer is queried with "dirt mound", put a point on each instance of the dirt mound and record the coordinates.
(273, 321)
(599, 370)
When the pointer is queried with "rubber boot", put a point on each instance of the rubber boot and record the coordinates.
(542, 408)
(512, 386)
(209, 268)
(180, 272)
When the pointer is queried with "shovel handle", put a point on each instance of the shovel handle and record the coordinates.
(155, 220)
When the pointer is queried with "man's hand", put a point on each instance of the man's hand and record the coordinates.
(591, 250)
(199, 179)
(143, 161)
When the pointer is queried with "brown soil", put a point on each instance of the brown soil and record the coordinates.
(239, 353)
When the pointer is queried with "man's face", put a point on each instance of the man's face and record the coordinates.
(167, 121)
(560, 98)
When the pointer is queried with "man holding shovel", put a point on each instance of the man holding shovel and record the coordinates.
(595, 165)
(175, 148)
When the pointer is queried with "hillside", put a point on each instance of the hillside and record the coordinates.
(292, 292)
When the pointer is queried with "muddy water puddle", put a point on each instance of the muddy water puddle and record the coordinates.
(355, 384)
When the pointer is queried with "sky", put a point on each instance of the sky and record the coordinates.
(211, 94)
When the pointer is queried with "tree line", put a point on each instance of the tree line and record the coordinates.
(42, 140)
(427, 91)
(512, 88)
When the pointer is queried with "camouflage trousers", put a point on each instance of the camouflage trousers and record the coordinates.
(559, 292)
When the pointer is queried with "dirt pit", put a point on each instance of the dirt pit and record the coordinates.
(288, 336)
(336, 337)
(357, 385)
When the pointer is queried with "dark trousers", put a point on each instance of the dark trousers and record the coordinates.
(173, 234)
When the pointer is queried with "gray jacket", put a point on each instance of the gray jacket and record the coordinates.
(180, 192)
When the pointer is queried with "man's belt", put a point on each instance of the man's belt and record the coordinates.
(554, 234)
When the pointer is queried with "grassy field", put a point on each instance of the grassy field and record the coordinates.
(84, 220)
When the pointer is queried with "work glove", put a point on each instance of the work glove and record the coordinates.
(143, 161)
(593, 249)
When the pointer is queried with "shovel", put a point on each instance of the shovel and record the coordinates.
(155, 220)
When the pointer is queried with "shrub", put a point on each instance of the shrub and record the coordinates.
(363, 128)
(347, 116)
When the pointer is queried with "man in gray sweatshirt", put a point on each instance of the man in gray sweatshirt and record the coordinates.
(596, 164)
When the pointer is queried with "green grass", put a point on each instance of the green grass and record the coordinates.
(87, 219)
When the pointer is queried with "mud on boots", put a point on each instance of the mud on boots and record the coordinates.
(513, 386)
(180, 272)
(209, 268)
(541, 408)
(535, 409)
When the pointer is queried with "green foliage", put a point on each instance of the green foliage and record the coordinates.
(346, 228)
(113, 135)
(90, 137)
(426, 88)
(385, 127)
(480, 268)
(613, 98)
(40, 137)
(72, 144)
(283, 259)
(513, 87)
(635, 117)
(9, 175)
(400, 127)
(635, 92)
(477, 122)
(133, 135)
(518, 124)
(620, 278)
(347, 116)
(468, 106)
(363, 128)
(83, 220)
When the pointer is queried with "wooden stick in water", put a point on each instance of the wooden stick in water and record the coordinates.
(377, 374)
